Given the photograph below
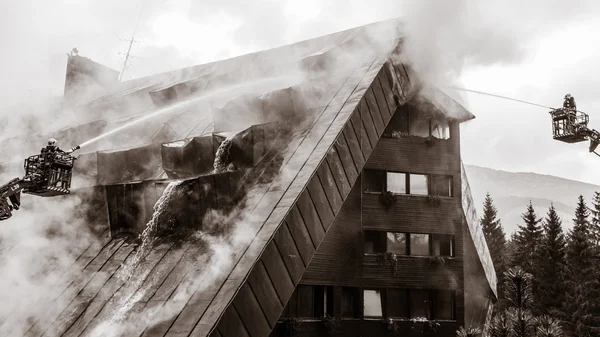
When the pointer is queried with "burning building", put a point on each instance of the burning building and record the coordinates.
(311, 189)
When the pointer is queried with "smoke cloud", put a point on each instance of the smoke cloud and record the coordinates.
(37, 247)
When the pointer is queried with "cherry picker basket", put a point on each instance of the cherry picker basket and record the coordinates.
(566, 124)
(50, 173)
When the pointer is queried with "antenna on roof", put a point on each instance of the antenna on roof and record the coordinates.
(131, 42)
(127, 57)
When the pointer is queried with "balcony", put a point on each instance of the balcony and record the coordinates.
(410, 212)
(367, 327)
(411, 271)
(416, 154)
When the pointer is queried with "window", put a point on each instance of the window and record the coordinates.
(397, 303)
(405, 303)
(419, 303)
(441, 186)
(411, 183)
(443, 304)
(442, 245)
(306, 301)
(396, 243)
(374, 242)
(372, 303)
(396, 182)
(399, 121)
(350, 302)
(418, 184)
(418, 125)
(373, 180)
(440, 129)
(419, 244)
(310, 302)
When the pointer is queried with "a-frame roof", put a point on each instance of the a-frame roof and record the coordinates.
(238, 286)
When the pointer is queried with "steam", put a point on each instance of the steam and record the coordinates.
(37, 247)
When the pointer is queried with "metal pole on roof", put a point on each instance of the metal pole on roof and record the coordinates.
(126, 59)
(131, 41)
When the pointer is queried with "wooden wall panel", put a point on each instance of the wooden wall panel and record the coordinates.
(302, 237)
(231, 324)
(375, 112)
(250, 312)
(304, 212)
(413, 154)
(330, 187)
(278, 273)
(413, 273)
(338, 260)
(361, 134)
(339, 175)
(319, 199)
(384, 95)
(367, 122)
(411, 214)
(343, 151)
(291, 257)
(266, 295)
(353, 141)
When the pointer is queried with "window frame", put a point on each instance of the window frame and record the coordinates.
(429, 183)
(409, 292)
(294, 302)
(408, 243)
(358, 306)
(382, 307)
(433, 296)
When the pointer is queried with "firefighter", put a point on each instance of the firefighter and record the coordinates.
(569, 102)
(52, 147)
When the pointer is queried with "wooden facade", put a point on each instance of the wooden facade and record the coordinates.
(341, 270)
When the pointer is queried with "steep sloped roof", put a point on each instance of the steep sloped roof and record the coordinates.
(237, 285)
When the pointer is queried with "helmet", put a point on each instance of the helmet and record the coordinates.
(51, 142)
(568, 96)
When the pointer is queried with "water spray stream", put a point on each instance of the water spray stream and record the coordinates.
(222, 155)
(132, 294)
(149, 234)
(502, 97)
(227, 92)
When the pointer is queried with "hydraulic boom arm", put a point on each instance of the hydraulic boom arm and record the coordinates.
(10, 196)
(593, 135)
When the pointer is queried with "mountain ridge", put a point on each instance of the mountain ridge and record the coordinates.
(512, 192)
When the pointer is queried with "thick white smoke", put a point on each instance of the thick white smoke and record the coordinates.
(37, 246)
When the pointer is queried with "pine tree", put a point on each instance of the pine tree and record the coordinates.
(495, 238)
(527, 240)
(595, 224)
(582, 298)
(551, 262)
(518, 320)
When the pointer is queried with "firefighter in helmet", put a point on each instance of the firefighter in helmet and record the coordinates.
(52, 147)
(569, 102)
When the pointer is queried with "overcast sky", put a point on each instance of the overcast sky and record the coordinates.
(531, 50)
